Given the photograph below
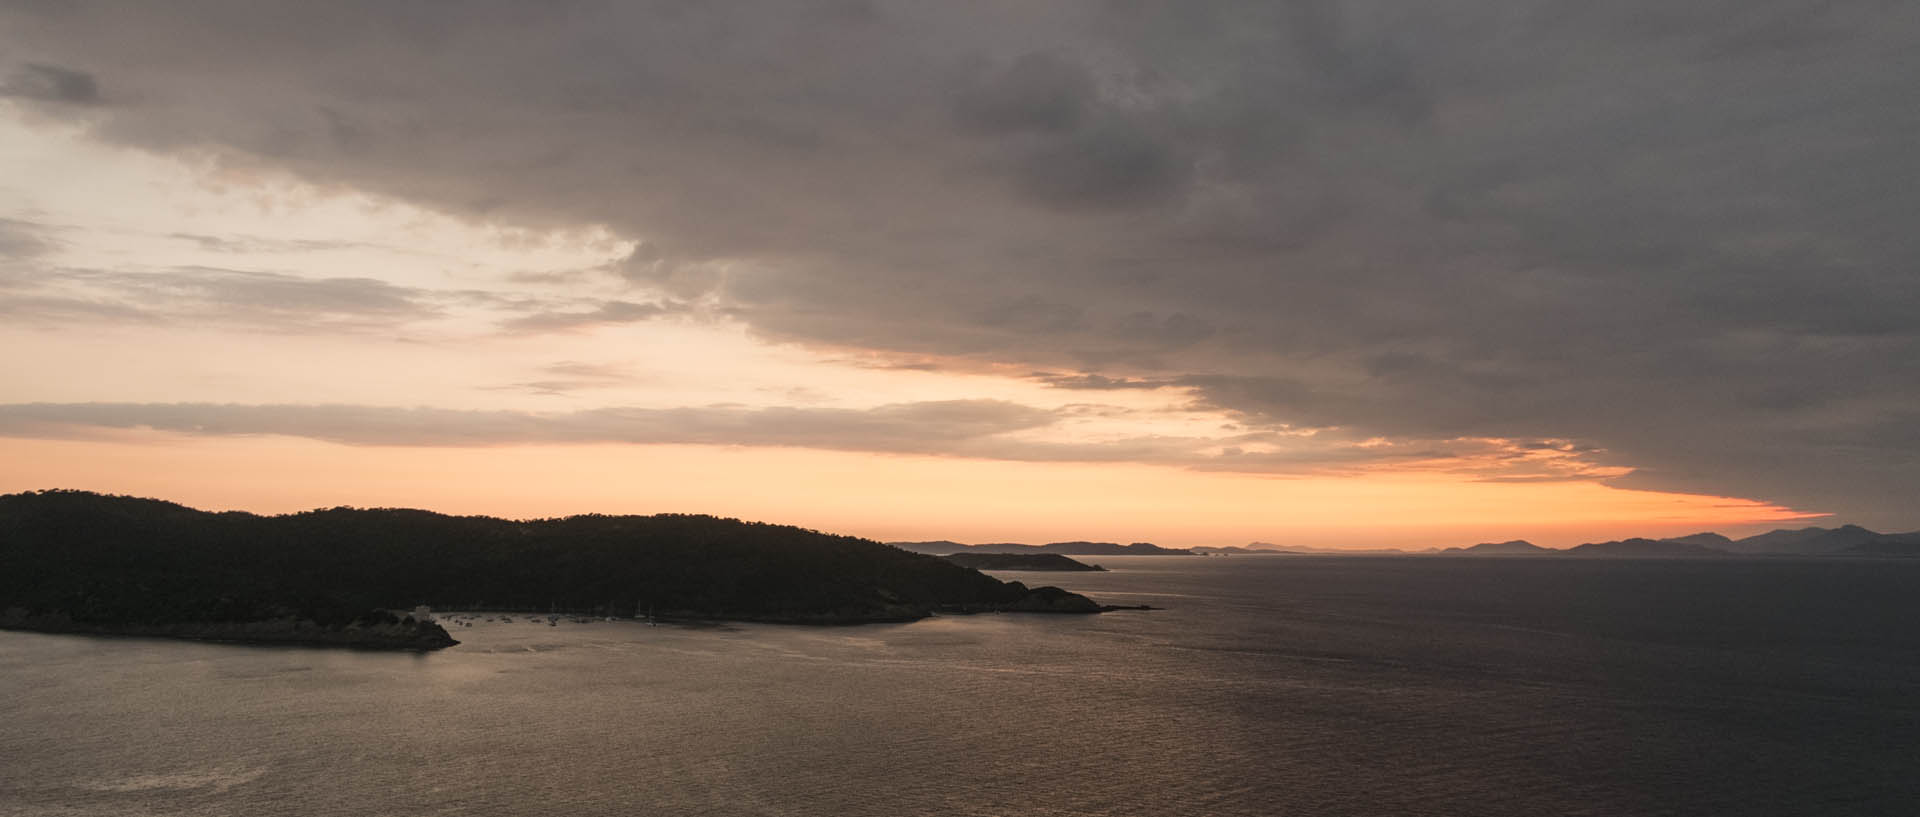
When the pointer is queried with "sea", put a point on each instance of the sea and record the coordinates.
(1263, 685)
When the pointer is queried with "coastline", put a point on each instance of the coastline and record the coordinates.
(404, 635)
(410, 636)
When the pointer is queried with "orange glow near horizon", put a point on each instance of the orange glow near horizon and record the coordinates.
(881, 497)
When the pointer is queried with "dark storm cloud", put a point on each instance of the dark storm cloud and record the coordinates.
(1112, 166)
(1678, 232)
(50, 83)
(1039, 92)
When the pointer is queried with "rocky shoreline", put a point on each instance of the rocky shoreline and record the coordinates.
(422, 636)
(404, 634)
(1049, 600)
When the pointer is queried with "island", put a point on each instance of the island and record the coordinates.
(943, 547)
(1018, 561)
(81, 562)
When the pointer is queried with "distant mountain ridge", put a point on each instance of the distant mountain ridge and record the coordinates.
(1810, 541)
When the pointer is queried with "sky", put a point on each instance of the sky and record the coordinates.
(1316, 273)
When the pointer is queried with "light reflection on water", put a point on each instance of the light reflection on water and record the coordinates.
(1269, 685)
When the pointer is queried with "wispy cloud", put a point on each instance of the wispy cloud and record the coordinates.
(283, 303)
(1096, 382)
(207, 295)
(568, 377)
(257, 244)
(980, 429)
(927, 427)
(607, 313)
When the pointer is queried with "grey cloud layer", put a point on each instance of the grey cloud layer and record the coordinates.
(1679, 231)
(905, 427)
(33, 293)
(984, 429)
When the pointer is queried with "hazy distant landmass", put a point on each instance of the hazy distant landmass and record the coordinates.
(1252, 549)
(943, 547)
(1018, 561)
(1847, 540)
(84, 562)
(1641, 548)
(1269, 547)
(1812, 541)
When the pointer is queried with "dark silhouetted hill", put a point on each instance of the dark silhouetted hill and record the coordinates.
(1018, 561)
(108, 561)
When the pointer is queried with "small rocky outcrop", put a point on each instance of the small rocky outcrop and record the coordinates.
(1053, 600)
(386, 634)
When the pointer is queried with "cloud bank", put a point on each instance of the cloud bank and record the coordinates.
(1677, 232)
(982, 429)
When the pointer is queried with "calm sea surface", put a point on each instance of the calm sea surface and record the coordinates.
(1268, 686)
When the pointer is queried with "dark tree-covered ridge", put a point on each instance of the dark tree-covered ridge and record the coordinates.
(1018, 561)
(113, 560)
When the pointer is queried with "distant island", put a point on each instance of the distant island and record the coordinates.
(1018, 561)
(1253, 549)
(943, 547)
(74, 561)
